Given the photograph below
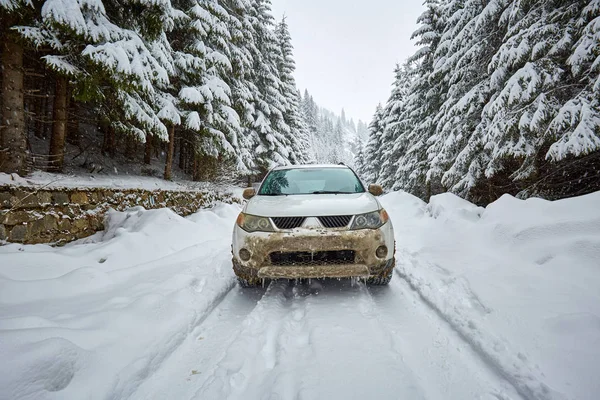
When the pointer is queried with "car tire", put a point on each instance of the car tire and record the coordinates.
(380, 280)
(247, 284)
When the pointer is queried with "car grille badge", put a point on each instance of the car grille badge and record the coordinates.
(312, 223)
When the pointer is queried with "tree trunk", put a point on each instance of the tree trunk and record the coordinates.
(148, 149)
(40, 111)
(130, 147)
(169, 162)
(111, 141)
(181, 153)
(56, 157)
(195, 174)
(13, 140)
(73, 136)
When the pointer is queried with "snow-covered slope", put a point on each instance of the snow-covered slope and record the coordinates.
(519, 280)
(495, 303)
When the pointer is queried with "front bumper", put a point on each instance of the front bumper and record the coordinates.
(363, 242)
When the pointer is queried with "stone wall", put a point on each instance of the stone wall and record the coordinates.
(59, 215)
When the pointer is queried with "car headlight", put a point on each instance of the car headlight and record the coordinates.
(252, 223)
(372, 220)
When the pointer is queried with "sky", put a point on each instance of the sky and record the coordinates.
(346, 50)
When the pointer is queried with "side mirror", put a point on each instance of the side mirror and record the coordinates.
(375, 190)
(249, 193)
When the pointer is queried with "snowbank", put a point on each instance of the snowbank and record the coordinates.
(519, 280)
(98, 315)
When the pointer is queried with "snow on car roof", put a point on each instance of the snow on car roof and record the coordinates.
(310, 166)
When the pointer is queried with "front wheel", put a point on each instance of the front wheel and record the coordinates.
(245, 283)
(380, 280)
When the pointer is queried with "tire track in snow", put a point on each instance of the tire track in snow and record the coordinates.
(513, 368)
(430, 345)
(251, 351)
(135, 374)
(330, 345)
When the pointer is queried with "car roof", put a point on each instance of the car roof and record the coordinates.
(308, 166)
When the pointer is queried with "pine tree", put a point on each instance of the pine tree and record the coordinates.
(423, 103)
(274, 146)
(466, 48)
(372, 151)
(396, 126)
(298, 136)
(13, 139)
(309, 115)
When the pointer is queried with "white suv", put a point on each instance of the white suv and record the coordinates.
(313, 221)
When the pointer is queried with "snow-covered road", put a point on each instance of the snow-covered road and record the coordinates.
(324, 340)
(501, 303)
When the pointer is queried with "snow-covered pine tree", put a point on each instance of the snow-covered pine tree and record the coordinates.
(309, 114)
(471, 37)
(274, 147)
(243, 89)
(337, 144)
(543, 106)
(423, 103)
(372, 151)
(504, 98)
(110, 57)
(298, 128)
(204, 63)
(396, 126)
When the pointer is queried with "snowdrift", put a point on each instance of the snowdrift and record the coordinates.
(94, 318)
(520, 280)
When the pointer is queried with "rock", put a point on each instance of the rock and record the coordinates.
(18, 234)
(93, 197)
(17, 217)
(3, 235)
(25, 199)
(79, 198)
(60, 198)
(80, 224)
(50, 222)
(96, 223)
(64, 224)
(35, 229)
(6, 199)
(44, 198)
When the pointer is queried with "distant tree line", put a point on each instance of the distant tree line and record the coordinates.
(333, 138)
(208, 80)
(503, 96)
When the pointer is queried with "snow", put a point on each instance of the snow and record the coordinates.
(519, 281)
(499, 302)
(46, 180)
(95, 317)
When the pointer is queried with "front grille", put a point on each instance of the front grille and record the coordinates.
(307, 258)
(287, 222)
(335, 221)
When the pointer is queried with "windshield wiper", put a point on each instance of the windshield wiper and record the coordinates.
(329, 192)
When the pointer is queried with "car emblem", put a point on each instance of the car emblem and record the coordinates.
(312, 222)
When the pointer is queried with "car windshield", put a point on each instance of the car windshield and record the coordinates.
(327, 180)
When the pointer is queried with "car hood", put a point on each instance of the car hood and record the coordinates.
(312, 205)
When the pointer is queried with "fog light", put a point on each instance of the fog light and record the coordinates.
(245, 254)
(381, 251)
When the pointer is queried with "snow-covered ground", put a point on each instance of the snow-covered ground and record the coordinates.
(495, 303)
(40, 179)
